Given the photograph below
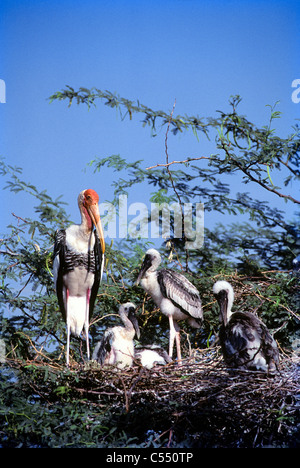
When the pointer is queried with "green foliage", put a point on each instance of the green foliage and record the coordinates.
(245, 148)
(38, 409)
(254, 250)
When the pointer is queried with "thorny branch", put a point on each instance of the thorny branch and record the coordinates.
(171, 178)
(167, 159)
(256, 180)
(178, 162)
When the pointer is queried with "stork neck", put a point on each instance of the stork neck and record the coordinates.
(150, 273)
(155, 264)
(225, 303)
(86, 221)
(126, 321)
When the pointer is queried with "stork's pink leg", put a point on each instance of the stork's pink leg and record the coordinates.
(86, 326)
(177, 338)
(68, 330)
(174, 336)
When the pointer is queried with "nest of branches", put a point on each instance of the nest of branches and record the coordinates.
(201, 403)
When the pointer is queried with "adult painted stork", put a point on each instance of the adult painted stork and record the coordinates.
(173, 293)
(78, 267)
(116, 346)
(245, 340)
(151, 355)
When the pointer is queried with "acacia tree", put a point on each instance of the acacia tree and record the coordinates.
(266, 240)
(253, 155)
(255, 254)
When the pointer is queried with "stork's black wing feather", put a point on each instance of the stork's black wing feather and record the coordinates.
(60, 251)
(180, 291)
(103, 348)
(99, 263)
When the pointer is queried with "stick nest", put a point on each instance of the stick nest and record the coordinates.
(201, 403)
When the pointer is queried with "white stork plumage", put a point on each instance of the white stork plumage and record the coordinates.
(151, 355)
(245, 340)
(78, 267)
(173, 293)
(116, 346)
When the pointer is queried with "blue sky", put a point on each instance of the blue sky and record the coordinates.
(197, 52)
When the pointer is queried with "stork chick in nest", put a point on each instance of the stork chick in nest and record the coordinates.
(117, 346)
(152, 355)
(245, 340)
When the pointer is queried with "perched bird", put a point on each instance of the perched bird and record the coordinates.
(296, 264)
(78, 267)
(116, 346)
(151, 355)
(173, 293)
(245, 340)
(296, 274)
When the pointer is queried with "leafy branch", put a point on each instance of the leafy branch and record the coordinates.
(250, 150)
(127, 108)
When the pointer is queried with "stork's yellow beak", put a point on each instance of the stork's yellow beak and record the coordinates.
(95, 216)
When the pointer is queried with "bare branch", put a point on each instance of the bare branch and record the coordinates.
(178, 162)
(167, 160)
(257, 181)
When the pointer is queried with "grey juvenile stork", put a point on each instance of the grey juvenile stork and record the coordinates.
(116, 346)
(245, 340)
(173, 293)
(78, 266)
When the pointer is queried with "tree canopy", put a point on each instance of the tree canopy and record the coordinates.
(254, 250)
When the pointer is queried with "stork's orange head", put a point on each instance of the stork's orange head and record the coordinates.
(90, 197)
(88, 203)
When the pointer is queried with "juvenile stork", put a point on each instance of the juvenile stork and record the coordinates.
(245, 340)
(78, 267)
(116, 346)
(152, 355)
(296, 265)
(176, 297)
